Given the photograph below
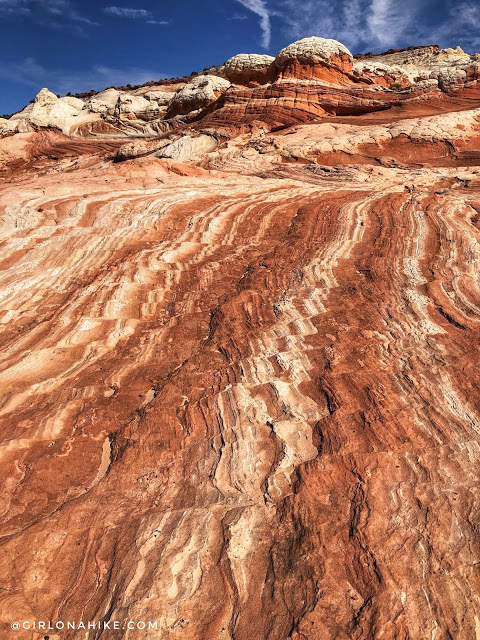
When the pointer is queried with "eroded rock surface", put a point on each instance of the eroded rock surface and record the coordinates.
(200, 92)
(250, 69)
(239, 368)
(314, 58)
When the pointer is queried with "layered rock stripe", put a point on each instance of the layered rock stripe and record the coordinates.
(240, 384)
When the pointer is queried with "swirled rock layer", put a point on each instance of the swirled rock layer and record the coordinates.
(239, 374)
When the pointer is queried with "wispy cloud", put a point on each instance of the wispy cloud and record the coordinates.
(133, 14)
(238, 16)
(127, 12)
(356, 23)
(380, 24)
(14, 8)
(53, 13)
(388, 20)
(31, 73)
(463, 25)
(259, 7)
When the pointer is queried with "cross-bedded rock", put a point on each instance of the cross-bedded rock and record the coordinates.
(239, 369)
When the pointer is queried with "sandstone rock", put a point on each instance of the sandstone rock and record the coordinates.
(451, 54)
(312, 51)
(287, 102)
(449, 77)
(104, 102)
(4, 125)
(45, 98)
(314, 77)
(161, 98)
(239, 380)
(382, 74)
(188, 147)
(139, 148)
(48, 110)
(250, 69)
(452, 68)
(135, 106)
(232, 391)
(74, 102)
(198, 93)
(314, 58)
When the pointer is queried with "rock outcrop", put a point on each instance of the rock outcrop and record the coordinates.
(200, 92)
(317, 58)
(238, 368)
(188, 147)
(104, 102)
(250, 70)
(451, 68)
(311, 78)
(382, 74)
(50, 111)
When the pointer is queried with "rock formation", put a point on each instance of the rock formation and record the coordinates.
(239, 372)
(314, 58)
(48, 110)
(308, 79)
(198, 93)
(250, 69)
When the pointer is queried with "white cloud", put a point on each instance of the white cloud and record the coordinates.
(380, 24)
(127, 12)
(238, 16)
(31, 73)
(14, 8)
(259, 7)
(359, 24)
(47, 12)
(133, 14)
(388, 20)
(463, 25)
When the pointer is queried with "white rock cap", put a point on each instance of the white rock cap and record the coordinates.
(45, 96)
(243, 62)
(201, 88)
(311, 51)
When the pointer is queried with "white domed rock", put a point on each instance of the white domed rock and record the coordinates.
(198, 93)
(250, 68)
(104, 102)
(312, 51)
(132, 104)
(74, 102)
(47, 110)
(161, 98)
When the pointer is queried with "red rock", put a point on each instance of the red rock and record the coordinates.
(239, 393)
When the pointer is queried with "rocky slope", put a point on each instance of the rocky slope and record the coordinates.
(239, 368)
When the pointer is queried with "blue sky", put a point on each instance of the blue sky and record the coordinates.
(78, 45)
